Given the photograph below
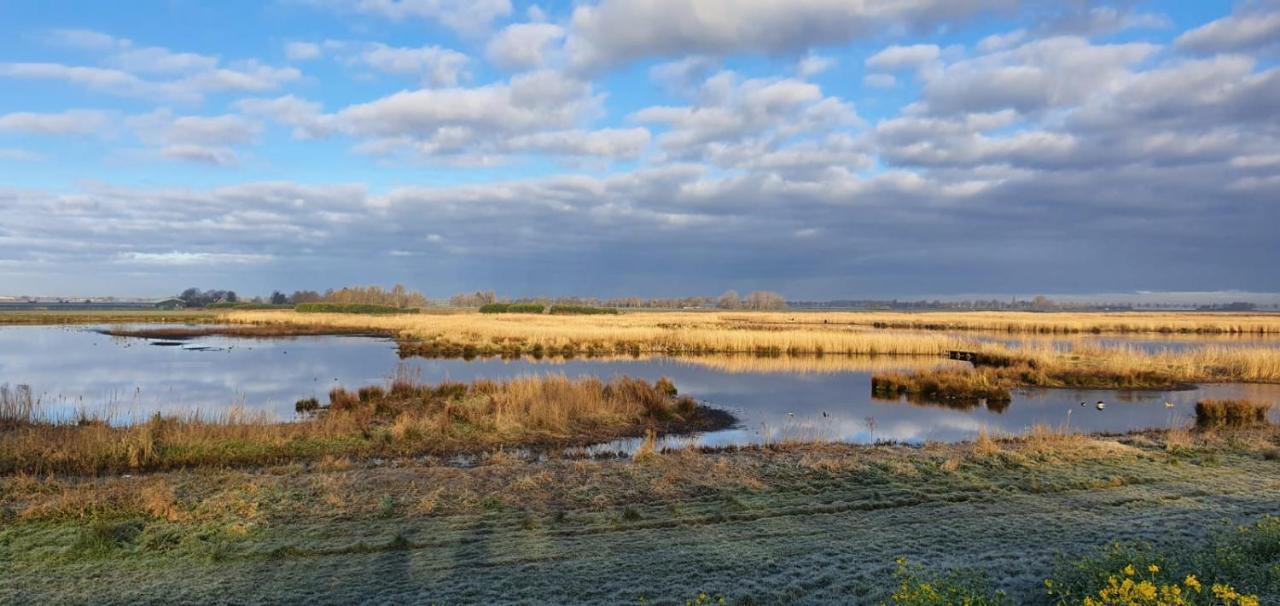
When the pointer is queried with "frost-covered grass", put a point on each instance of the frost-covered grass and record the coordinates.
(815, 523)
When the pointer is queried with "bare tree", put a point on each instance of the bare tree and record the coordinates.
(729, 300)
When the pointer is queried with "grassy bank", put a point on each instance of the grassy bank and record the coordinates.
(36, 317)
(673, 333)
(402, 419)
(807, 524)
(1059, 323)
(265, 331)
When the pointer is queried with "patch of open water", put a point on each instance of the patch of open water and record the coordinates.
(828, 398)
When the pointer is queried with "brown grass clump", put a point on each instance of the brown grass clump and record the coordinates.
(984, 446)
(961, 387)
(404, 419)
(1211, 414)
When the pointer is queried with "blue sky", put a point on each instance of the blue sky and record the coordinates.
(822, 148)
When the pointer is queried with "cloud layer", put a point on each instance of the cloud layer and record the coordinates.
(823, 148)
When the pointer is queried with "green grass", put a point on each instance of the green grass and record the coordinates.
(512, 308)
(352, 308)
(581, 310)
(35, 317)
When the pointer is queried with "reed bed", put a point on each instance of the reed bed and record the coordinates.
(672, 333)
(1211, 414)
(401, 419)
(1173, 322)
(1212, 363)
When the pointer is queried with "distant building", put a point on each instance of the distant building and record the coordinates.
(171, 304)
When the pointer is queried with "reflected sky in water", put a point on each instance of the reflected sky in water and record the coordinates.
(72, 367)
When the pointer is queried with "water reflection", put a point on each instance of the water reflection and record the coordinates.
(774, 398)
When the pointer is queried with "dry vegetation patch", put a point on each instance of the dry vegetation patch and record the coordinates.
(403, 418)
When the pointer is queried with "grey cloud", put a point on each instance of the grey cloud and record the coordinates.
(616, 32)
(1252, 27)
(1034, 76)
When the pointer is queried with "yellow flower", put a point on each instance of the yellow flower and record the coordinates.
(1153, 569)
(1128, 570)
(1192, 583)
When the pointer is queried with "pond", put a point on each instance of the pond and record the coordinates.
(784, 398)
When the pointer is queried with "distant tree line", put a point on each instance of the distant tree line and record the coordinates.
(401, 297)
(194, 297)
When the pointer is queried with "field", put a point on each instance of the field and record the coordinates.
(461, 492)
(804, 524)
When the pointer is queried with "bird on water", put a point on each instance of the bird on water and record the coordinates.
(1101, 405)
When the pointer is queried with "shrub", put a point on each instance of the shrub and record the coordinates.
(1231, 413)
(306, 405)
(917, 588)
(512, 308)
(351, 308)
(581, 310)
(1237, 567)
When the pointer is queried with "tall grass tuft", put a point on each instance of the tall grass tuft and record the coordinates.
(17, 406)
(1212, 414)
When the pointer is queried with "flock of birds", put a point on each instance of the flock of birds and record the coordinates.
(1102, 405)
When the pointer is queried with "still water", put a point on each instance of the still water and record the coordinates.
(75, 367)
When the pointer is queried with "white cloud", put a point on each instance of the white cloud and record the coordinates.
(130, 70)
(813, 65)
(433, 65)
(523, 45)
(307, 118)
(895, 58)
(302, 51)
(1248, 29)
(181, 258)
(1037, 75)
(71, 122)
(201, 154)
(467, 16)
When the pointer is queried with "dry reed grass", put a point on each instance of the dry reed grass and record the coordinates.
(403, 419)
(1212, 414)
(639, 333)
(1122, 366)
(1172, 322)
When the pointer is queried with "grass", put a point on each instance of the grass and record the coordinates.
(1211, 414)
(1061, 323)
(234, 330)
(17, 406)
(35, 317)
(581, 310)
(351, 308)
(960, 387)
(673, 333)
(402, 419)
(805, 523)
(998, 368)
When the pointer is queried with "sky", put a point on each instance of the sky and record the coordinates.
(819, 148)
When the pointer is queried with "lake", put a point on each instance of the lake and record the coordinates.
(774, 398)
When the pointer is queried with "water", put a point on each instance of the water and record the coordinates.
(786, 398)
